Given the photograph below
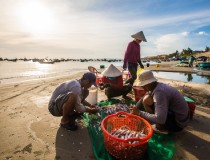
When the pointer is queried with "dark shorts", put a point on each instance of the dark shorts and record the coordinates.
(111, 92)
(171, 124)
(56, 107)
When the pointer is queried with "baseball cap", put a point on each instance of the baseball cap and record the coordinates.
(91, 77)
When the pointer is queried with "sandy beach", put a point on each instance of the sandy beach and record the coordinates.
(29, 131)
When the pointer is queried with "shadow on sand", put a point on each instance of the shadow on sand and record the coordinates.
(74, 145)
(191, 141)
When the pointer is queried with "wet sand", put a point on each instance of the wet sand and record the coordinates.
(29, 131)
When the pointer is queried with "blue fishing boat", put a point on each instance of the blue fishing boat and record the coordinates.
(204, 64)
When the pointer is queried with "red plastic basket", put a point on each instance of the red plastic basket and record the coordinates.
(138, 92)
(123, 148)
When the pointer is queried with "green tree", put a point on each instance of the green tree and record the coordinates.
(184, 52)
(175, 54)
(189, 51)
(207, 49)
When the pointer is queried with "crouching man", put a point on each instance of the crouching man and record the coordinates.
(68, 100)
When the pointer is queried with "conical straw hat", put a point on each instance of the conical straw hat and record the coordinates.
(111, 71)
(139, 36)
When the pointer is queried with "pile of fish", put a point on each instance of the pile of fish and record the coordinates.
(124, 132)
(111, 109)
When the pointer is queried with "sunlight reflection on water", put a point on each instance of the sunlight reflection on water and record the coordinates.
(185, 77)
(21, 71)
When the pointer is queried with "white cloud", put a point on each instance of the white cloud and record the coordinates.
(201, 33)
(169, 43)
(185, 34)
(81, 27)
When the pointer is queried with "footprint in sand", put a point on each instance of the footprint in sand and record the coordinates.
(27, 148)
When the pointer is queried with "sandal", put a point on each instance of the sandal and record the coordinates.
(69, 126)
(158, 131)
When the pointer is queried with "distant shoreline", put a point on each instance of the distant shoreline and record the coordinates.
(171, 67)
(158, 57)
(164, 67)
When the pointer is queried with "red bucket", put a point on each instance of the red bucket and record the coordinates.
(139, 92)
(98, 79)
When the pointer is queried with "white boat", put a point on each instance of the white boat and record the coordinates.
(46, 61)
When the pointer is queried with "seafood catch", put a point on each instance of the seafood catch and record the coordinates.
(124, 132)
(111, 109)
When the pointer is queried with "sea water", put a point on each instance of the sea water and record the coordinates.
(27, 70)
(184, 77)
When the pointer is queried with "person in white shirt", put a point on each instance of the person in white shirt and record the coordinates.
(68, 100)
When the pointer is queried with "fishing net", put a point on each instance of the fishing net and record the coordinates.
(159, 146)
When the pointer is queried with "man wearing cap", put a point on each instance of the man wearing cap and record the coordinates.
(112, 81)
(132, 56)
(163, 105)
(68, 100)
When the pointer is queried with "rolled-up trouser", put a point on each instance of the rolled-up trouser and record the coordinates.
(132, 68)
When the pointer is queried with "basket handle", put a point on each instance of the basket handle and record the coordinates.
(121, 114)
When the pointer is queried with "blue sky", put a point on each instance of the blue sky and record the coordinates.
(101, 28)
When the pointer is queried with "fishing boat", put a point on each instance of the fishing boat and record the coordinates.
(46, 61)
(183, 64)
(204, 64)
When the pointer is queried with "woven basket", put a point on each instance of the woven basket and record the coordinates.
(125, 148)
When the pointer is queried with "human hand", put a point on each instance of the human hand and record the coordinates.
(93, 106)
(135, 111)
(124, 66)
(142, 66)
(94, 110)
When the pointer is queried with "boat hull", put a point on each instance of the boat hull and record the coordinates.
(204, 65)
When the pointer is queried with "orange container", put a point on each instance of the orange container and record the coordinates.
(138, 92)
(98, 79)
(124, 148)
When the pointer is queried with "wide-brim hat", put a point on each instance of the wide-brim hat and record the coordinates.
(145, 77)
(139, 36)
(111, 71)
